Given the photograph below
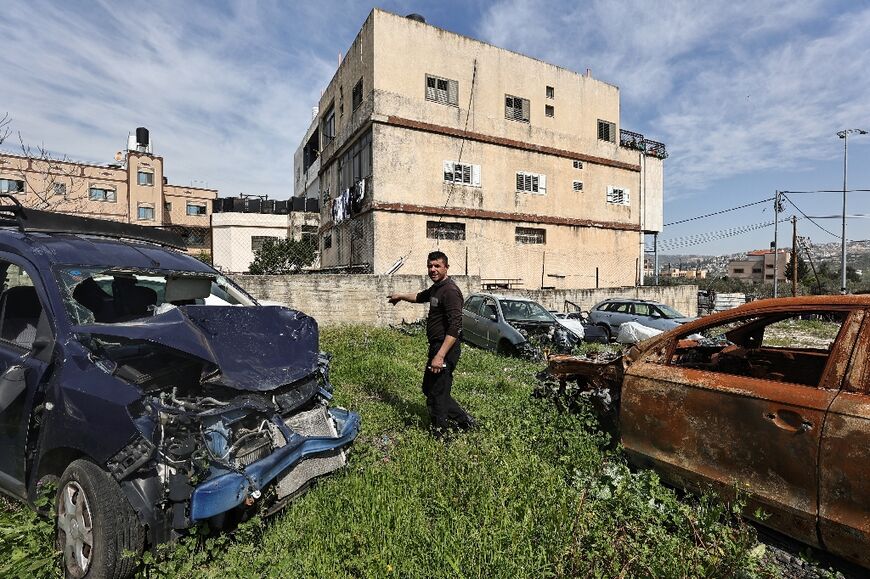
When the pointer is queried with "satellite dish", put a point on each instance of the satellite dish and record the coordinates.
(119, 156)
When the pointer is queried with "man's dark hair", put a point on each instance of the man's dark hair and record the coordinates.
(437, 255)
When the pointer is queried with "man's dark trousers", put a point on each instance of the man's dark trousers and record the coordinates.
(436, 387)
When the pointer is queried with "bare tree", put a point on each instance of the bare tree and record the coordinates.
(53, 183)
(5, 121)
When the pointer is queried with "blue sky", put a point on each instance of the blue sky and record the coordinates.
(748, 96)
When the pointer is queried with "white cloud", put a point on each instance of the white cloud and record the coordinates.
(731, 88)
(227, 90)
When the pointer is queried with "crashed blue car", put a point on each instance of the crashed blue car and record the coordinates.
(157, 393)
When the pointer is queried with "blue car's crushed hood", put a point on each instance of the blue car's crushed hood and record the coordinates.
(255, 348)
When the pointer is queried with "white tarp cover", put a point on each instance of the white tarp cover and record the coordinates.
(632, 333)
(575, 326)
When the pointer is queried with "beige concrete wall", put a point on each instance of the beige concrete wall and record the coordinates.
(145, 195)
(362, 299)
(409, 168)
(569, 257)
(179, 196)
(405, 51)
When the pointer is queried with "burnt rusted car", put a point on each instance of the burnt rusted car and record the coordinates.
(773, 397)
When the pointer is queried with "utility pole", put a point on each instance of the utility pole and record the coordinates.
(775, 242)
(793, 256)
(845, 136)
(656, 255)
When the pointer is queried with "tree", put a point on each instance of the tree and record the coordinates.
(5, 120)
(282, 256)
(53, 182)
(802, 269)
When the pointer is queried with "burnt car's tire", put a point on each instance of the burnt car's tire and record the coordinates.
(607, 331)
(96, 525)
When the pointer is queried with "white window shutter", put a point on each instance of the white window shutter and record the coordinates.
(430, 88)
(625, 197)
(525, 109)
(475, 175)
(453, 92)
(520, 182)
(542, 183)
(448, 170)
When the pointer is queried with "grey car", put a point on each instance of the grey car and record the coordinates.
(506, 325)
(612, 313)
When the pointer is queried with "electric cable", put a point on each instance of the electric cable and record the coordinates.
(719, 212)
(810, 218)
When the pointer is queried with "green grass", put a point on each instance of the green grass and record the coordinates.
(532, 493)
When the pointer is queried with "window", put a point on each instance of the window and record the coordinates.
(784, 347)
(340, 102)
(195, 209)
(100, 193)
(355, 164)
(516, 108)
(357, 95)
(442, 90)
(738, 270)
(549, 110)
(606, 131)
(551, 92)
(617, 196)
(531, 183)
(59, 189)
(327, 241)
(578, 186)
(11, 186)
(578, 164)
(768, 276)
(445, 230)
(756, 270)
(473, 304)
(309, 235)
(327, 127)
(146, 213)
(531, 235)
(167, 207)
(145, 178)
(462, 173)
(769, 266)
(258, 240)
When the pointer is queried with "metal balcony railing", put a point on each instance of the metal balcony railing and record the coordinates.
(637, 142)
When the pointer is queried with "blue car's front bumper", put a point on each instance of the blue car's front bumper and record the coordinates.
(224, 492)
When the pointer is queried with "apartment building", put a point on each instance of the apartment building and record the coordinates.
(760, 266)
(134, 189)
(518, 169)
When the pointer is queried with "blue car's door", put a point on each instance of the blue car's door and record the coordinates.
(23, 329)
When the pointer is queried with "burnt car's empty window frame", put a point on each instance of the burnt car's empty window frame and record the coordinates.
(792, 346)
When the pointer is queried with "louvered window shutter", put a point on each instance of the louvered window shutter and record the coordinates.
(430, 88)
(448, 171)
(453, 92)
(525, 109)
(475, 175)
(542, 183)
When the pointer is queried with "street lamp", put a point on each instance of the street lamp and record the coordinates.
(845, 136)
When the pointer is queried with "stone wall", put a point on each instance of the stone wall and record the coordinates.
(362, 299)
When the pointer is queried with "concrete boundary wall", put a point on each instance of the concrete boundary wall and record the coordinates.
(362, 299)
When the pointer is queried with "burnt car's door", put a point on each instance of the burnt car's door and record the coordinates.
(25, 338)
(740, 409)
(844, 486)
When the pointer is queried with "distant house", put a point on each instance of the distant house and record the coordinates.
(132, 190)
(760, 266)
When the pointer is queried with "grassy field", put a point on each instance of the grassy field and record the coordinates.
(532, 493)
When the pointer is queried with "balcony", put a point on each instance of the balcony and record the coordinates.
(637, 142)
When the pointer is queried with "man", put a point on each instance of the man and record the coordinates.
(443, 327)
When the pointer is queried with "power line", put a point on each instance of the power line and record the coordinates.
(808, 217)
(827, 191)
(702, 238)
(719, 212)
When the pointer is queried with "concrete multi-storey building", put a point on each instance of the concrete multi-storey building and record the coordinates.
(760, 266)
(516, 168)
(132, 190)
